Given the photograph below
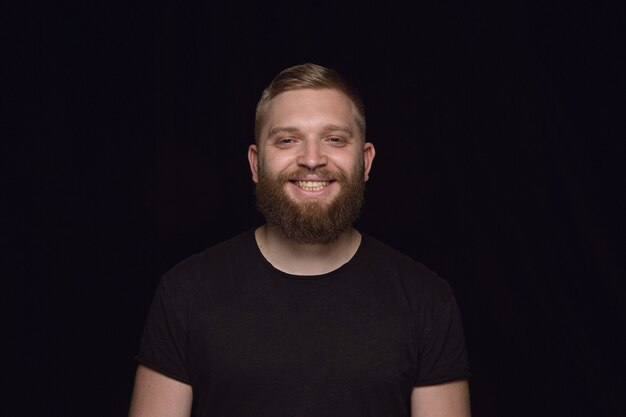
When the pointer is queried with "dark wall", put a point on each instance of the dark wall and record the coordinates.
(500, 145)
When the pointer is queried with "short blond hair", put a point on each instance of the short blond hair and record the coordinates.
(308, 76)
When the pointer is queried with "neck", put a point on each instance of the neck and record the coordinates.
(300, 259)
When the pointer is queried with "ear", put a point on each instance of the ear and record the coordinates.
(253, 160)
(368, 157)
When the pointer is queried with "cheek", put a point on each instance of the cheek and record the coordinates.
(277, 163)
(348, 162)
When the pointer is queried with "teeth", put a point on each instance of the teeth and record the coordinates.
(312, 185)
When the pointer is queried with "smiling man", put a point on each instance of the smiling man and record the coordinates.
(304, 316)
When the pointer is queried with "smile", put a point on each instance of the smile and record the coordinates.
(312, 185)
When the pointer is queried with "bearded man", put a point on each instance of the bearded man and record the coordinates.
(304, 316)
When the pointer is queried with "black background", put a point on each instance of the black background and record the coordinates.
(499, 130)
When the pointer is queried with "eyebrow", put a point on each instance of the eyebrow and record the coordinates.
(333, 128)
(327, 128)
(281, 129)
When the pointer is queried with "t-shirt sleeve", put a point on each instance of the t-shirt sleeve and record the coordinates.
(163, 345)
(442, 355)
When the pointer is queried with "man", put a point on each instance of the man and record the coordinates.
(304, 316)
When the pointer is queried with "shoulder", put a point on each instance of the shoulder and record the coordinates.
(415, 276)
(435, 316)
(216, 261)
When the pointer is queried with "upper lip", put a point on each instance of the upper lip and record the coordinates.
(315, 179)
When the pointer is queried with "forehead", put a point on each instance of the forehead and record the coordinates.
(308, 108)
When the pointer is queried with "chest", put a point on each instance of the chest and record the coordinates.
(331, 336)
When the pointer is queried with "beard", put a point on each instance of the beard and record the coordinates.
(310, 222)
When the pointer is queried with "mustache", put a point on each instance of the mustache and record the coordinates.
(320, 172)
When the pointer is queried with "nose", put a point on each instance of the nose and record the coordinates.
(312, 155)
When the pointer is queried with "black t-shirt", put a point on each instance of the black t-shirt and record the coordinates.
(254, 341)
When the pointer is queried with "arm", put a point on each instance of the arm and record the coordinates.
(156, 395)
(450, 399)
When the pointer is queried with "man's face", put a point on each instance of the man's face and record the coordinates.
(310, 165)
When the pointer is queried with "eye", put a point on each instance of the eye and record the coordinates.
(336, 140)
(285, 141)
